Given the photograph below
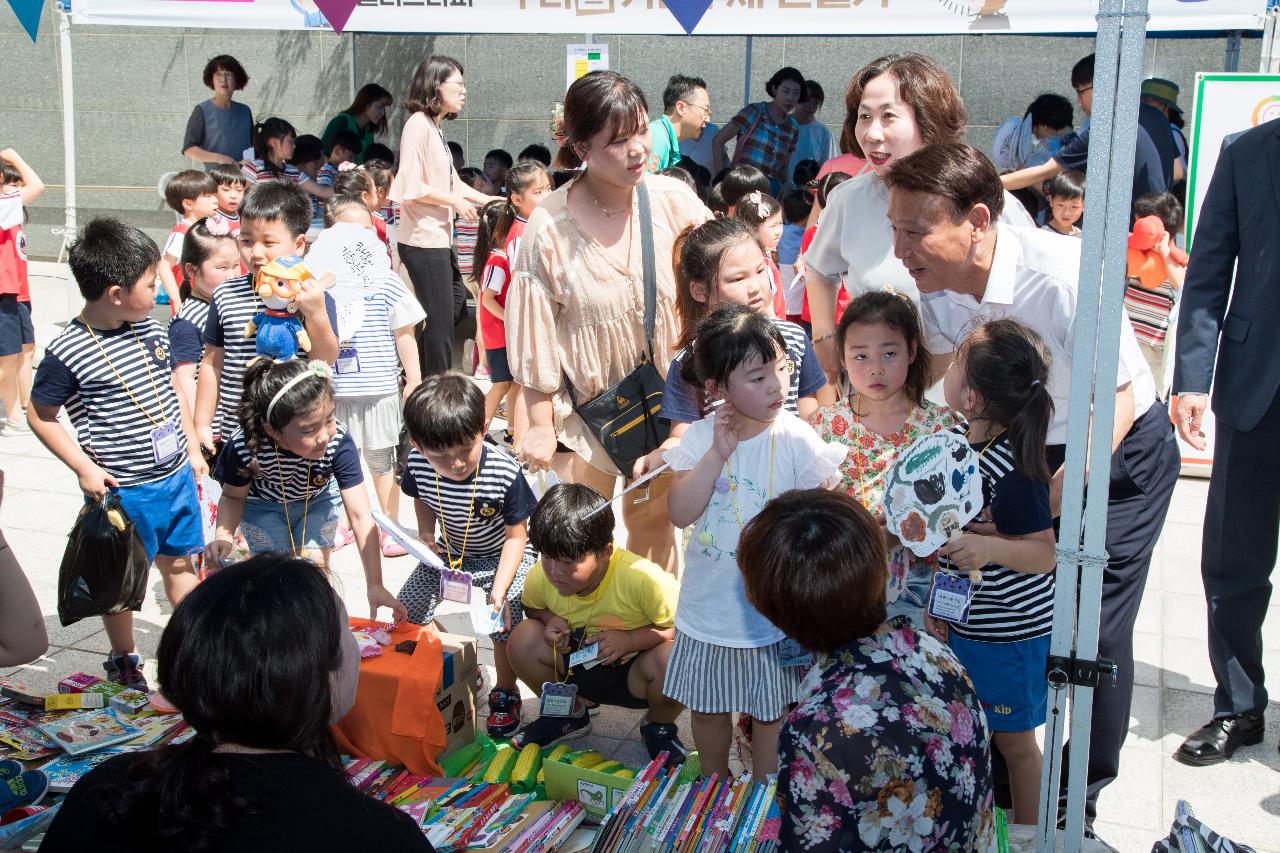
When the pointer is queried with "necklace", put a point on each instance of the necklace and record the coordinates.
(146, 360)
(306, 504)
(733, 486)
(600, 207)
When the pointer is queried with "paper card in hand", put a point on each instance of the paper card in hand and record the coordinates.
(933, 491)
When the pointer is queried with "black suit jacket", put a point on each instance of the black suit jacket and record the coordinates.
(1238, 225)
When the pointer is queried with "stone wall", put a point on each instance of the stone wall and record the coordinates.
(135, 86)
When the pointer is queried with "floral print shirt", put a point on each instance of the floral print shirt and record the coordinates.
(865, 469)
(887, 750)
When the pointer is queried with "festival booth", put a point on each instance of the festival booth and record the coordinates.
(411, 738)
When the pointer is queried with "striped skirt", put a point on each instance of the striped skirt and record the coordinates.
(713, 679)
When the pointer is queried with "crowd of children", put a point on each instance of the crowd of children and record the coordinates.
(752, 415)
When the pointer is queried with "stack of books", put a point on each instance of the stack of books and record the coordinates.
(669, 810)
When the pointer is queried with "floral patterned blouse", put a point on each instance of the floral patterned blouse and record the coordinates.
(887, 750)
(863, 473)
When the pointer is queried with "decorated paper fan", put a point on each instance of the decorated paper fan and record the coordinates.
(358, 260)
(933, 491)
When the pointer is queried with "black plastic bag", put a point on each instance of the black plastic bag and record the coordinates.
(104, 569)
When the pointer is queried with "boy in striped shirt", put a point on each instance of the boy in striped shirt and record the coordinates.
(274, 218)
(110, 368)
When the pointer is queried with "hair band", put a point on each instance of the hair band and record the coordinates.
(1035, 382)
(314, 368)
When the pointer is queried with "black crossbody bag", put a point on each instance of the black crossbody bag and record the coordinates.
(624, 418)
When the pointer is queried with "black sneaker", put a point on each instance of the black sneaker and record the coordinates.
(126, 670)
(504, 713)
(549, 731)
(663, 737)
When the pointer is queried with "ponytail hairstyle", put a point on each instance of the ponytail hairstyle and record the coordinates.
(202, 238)
(755, 208)
(263, 379)
(698, 254)
(212, 660)
(823, 186)
(381, 175)
(1006, 364)
(263, 133)
(899, 313)
(499, 216)
(597, 101)
(728, 337)
(355, 181)
(335, 207)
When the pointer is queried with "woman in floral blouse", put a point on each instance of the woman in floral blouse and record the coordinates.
(880, 343)
(888, 748)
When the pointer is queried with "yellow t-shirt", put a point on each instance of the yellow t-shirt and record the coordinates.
(635, 593)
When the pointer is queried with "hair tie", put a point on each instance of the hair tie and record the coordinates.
(314, 368)
(347, 166)
(217, 226)
(1035, 382)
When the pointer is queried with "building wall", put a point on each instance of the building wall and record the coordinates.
(135, 87)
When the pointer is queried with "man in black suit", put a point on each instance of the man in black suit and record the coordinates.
(1226, 339)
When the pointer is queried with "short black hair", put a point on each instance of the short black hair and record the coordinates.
(345, 138)
(728, 337)
(227, 174)
(278, 201)
(455, 149)
(307, 149)
(188, 185)
(957, 172)
(805, 171)
(445, 410)
(1163, 205)
(502, 156)
(680, 175)
(562, 526)
(536, 152)
(224, 62)
(679, 88)
(1082, 73)
(796, 207)
(1052, 111)
(781, 76)
(378, 151)
(9, 173)
(740, 180)
(110, 252)
(1065, 185)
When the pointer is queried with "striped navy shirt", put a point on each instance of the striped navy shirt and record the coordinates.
(303, 478)
(502, 497)
(1009, 605)
(368, 364)
(109, 425)
(234, 304)
(186, 331)
(680, 403)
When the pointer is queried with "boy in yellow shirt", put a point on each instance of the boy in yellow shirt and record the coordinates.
(604, 614)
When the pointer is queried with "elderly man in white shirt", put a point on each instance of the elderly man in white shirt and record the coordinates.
(944, 202)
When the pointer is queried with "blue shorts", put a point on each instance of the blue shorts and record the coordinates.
(166, 514)
(266, 530)
(1009, 680)
(15, 325)
(499, 370)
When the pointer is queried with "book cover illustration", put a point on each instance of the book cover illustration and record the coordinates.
(91, 730)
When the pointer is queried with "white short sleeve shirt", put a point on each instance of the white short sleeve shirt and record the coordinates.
(1034, 279)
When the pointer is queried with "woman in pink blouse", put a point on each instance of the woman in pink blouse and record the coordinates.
(430, 194)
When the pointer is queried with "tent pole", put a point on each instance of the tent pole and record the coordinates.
(354, 76)
(62, 9)
(746, 75)
(1231, 62)
(1270, 60)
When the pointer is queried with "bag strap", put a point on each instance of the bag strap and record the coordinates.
(650, 265)
(739, 150)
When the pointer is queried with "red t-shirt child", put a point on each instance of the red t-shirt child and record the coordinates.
(13, 248)
(497, 278)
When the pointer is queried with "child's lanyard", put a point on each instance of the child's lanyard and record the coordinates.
(555, 653)
(857, 421)
(456, 565)
(733, 487)
(146, 360)
(306, 504)
(975, 575)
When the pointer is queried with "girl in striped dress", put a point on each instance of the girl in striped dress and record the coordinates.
(209, 257)
(727, 657)
(287, 471)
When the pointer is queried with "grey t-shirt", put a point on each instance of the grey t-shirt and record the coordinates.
(221, 131)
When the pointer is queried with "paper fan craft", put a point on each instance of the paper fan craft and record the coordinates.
(933, 491)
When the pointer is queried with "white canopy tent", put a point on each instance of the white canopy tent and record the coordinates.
(1121, 26)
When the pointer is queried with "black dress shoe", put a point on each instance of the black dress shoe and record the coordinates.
(1217, 741)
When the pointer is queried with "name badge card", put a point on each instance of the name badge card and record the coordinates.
(164, 442)
(586, 657)
(557, 699)
(455, 586)
(950, 598)
(348, 361)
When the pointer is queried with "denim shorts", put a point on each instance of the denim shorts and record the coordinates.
(166, 514)
(314, 522)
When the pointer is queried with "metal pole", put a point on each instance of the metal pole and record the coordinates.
(63, 10)
(1232, 60)
(1074, 668)
(746, 75)
(354, 85)
(1269, 62)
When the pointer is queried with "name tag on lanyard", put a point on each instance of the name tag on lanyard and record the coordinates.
(164, 442)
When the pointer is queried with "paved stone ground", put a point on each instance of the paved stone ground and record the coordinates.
(1172, 694)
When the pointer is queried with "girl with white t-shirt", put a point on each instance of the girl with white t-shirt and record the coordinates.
(727, 657)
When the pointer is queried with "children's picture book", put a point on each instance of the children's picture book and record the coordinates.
(23, 742)
(65, 770)
(154, 727)
(933, 490)
(89, 731)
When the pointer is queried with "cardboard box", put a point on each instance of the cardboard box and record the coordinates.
(460, 663)
(107, 689)
(130, 702)
(457, 707)
(73, 701)
(598, 792)
(77, 683)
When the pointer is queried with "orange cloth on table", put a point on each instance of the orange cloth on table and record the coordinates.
(395, 716)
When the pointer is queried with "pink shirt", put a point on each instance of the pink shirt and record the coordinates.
(425, 164)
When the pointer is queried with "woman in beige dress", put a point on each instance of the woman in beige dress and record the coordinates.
(575, 309)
